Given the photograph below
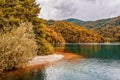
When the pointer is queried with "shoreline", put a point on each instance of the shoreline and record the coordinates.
(69, 55)
(39, 62)
(53, 58)
(43, 60)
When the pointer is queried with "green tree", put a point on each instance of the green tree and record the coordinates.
(14, 11)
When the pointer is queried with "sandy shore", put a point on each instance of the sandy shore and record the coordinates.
(43, 60)
(40, 60)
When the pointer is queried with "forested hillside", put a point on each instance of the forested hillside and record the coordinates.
(75, 34)
(108, 28)
(77, 22)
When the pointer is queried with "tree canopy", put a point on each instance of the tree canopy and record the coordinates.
(14, 11)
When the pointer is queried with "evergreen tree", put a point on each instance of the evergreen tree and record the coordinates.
(14, 11)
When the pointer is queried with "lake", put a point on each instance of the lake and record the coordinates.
(100, 62)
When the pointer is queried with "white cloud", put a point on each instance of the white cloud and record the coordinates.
(80, 9)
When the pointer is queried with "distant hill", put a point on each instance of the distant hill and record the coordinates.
(98, 23)
(77, 22)
(108, 28)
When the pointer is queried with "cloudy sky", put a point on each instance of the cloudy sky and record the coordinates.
(79, 9)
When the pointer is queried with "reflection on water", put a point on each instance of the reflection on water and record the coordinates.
(95, 51)
(101, 62)
(25, 74)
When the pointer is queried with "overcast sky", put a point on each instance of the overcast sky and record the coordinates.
(79, 9)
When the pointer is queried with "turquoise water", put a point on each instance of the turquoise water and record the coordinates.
(99, 51)
(100, 62)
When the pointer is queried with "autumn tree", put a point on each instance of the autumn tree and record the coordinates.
(75, 34)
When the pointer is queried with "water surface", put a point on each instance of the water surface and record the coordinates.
(100, 62)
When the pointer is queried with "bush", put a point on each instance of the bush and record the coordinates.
(44, 47)
(17, 47)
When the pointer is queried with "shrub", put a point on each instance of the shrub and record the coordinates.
(44, 47)
(17, 47)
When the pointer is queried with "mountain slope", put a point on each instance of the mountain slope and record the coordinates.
(75, 34)
(108, 28)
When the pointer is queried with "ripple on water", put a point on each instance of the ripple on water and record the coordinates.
(85, 69)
